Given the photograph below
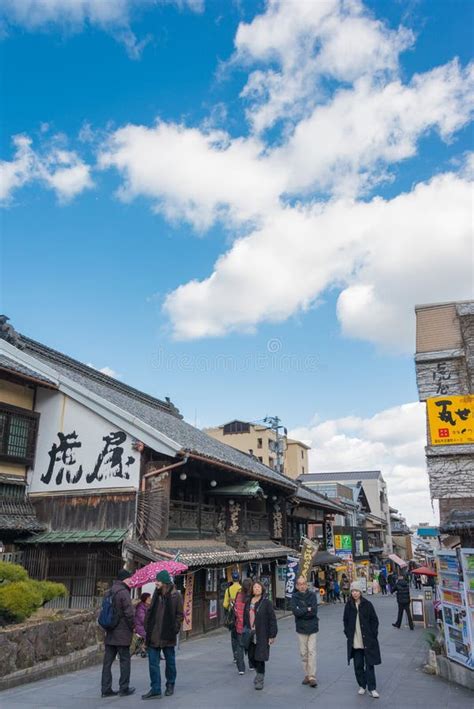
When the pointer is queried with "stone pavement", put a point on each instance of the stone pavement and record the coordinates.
(208, 678)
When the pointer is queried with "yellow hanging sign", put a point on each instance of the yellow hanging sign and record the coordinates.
(451, 420)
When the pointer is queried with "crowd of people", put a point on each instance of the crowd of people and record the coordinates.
(155, 623)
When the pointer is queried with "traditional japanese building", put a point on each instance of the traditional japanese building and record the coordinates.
(444, 364)
(116, 476)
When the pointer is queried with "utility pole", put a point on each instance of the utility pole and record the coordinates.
(275, 424)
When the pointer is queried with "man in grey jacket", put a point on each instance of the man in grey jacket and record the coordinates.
(304, 605)
(117, 640)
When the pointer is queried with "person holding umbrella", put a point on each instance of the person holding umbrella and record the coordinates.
(361, 627)
(162, 625)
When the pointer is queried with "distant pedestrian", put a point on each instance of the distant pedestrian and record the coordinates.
(239, 607)
(417, 581)
(260, 627)
(118, 635)
(383, 583)
(345, 588)
(162, 625)
(337, 591)
(361, 630)
(304, 606)
(138, 647)
(140, 613)
(228, 604)
(403, 599)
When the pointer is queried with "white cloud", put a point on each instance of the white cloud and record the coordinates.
(113, 16)
(54, 167)
(193, 175)
(385, 255)
(292, 208)
(391, 441)
(304, 43)
(17, 172)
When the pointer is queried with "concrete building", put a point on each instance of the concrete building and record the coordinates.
(401, 536)
(260, 441)
(444, 363)
(375, 489)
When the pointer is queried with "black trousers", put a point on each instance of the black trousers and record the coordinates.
(110, 654)
(404, 607)
(259, 665)
(365, 674)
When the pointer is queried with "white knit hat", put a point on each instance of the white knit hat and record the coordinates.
(355, 586)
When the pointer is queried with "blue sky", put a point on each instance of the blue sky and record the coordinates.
(110, 234)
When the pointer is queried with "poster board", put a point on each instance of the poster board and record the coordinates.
(454, 574)
(417, 610)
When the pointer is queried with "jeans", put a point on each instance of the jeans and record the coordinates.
(383, 589)
(154, 667)
(307, 645)
(404, 607)
(365, 674)
(239, 655)
(110, 654)
(234, 641)
(259, 665)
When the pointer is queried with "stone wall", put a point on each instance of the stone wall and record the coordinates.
(29, 645)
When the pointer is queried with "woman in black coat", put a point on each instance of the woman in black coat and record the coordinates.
(361, 627)
(259, 617)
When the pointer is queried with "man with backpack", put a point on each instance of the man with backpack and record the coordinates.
(117, 619)
(229, 608)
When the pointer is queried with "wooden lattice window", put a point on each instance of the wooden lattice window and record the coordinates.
(18, 433)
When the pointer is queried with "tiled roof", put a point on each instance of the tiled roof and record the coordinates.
(18, 516)
(202, 552)
(342, 476)
(79, 536)
(9, 365)
(162, 416)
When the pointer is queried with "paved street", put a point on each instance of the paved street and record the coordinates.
(207, 676)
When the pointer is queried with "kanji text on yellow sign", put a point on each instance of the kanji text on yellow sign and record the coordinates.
(451, 420)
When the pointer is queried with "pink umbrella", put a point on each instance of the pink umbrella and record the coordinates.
(148, 573)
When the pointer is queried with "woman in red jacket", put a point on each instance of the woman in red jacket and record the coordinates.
(239, 608)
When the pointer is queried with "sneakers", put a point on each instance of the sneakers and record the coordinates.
(312, 682)
(361, 690)
(306, 680)
(374, 694)
(241, 672)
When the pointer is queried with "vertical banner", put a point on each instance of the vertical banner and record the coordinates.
(188, 603)
(308, 550)
(328, 536)
(291, 573)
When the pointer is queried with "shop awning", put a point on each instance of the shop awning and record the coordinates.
(397, 560)
(210, 552)
(104, 536)
(247, 489)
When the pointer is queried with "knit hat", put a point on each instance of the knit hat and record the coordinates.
(123, 574)
(355, 586)
(164, 577)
